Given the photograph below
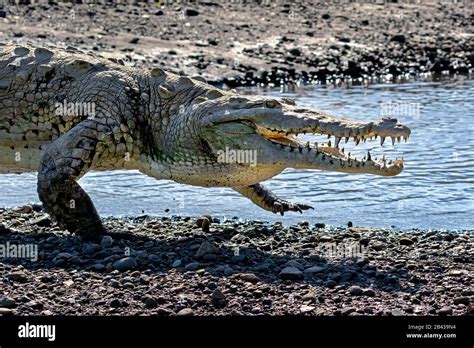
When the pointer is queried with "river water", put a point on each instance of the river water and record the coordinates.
(435, 190)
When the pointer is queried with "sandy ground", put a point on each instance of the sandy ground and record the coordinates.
(241, 43)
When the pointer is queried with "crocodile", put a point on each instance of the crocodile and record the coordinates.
(65, 112)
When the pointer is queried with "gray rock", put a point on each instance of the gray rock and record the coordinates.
(291, 273)
(185, 312)
(125, 264)
(397, 312)
(176, 263)
(106, 241)
(193, 266)
(314, 270)
(207, 248)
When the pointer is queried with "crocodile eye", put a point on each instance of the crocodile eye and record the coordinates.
(271, 104)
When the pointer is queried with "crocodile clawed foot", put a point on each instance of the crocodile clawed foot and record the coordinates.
(281, 206)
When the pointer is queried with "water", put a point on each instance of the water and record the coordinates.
(435, 190)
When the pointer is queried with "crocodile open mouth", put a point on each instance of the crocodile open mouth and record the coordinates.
(332, 150)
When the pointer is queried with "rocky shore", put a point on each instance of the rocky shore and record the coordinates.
(246, 44)
(187, 266)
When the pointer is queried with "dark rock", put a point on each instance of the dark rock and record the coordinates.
(193, 266)
(405, 241)
(217, 295)
(398, 38)
(191, 12)
(355, 290)
(369, 292)
(149, 301)
(458, 300)
(125, 264)
(18, 276)
(445, 311)
(291, 273)
(7, 302)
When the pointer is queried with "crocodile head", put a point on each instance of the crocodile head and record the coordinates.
(254, 138)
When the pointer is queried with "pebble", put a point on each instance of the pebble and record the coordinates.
(397, 312)
(217, 295)
(356, 290)
(306, 308)
(106, 242)
(406, 241)
(149, 301)
(249, 277)
(458, 300)
(445, 311)
(291, 273)
(185, 312)
(369, 292)
(125, 264)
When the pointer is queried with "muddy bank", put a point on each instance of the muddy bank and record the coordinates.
(170, 266)
(240, 43)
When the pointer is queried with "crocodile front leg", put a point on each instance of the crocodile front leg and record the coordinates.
(267, 200)
(64, 162)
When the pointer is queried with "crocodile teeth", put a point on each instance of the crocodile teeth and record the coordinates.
(382, 140)
(369, 158)
(346, 139)
(393, 141)
(336, 142)
(329, 143)
(357, 140)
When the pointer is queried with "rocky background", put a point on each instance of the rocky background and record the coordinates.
(180, 266)
(258, 42)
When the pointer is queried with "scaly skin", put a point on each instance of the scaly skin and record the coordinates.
(165, 125)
